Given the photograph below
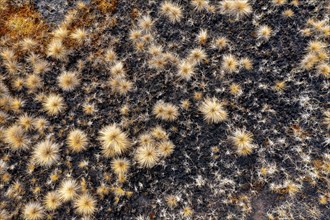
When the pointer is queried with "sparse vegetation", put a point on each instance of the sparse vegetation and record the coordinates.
(192, 109)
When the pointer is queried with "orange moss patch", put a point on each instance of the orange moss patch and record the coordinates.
(106, 6)
(317, 164)
(19, 22)
(3, 5)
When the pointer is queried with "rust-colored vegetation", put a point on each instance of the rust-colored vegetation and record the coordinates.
(19, 22)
